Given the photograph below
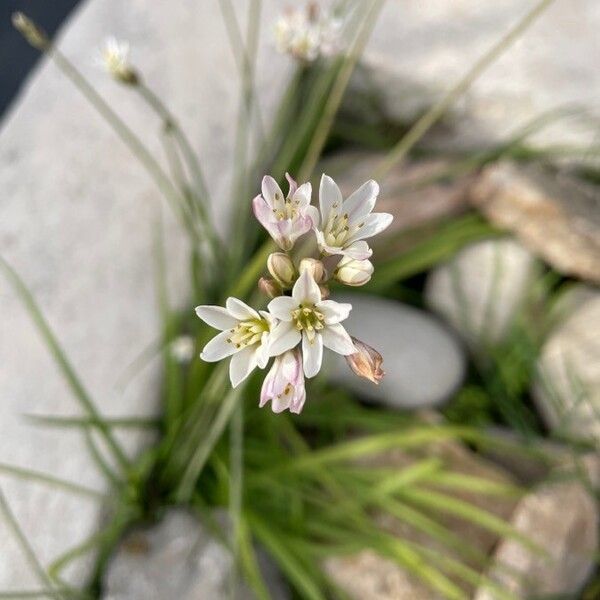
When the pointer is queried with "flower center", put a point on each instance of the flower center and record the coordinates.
(246, 333)
(285, 208)
(337, 228)
(307, 318)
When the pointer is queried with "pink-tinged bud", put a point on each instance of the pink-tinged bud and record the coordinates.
(269, 287)
(282, 269)
(366, 362)
(284, 384)
(315, 267)
(353, 272)
(324, 292)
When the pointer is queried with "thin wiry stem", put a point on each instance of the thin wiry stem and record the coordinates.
(337, 92)
(244, 57)
(131, 140)
(32, 594)
(65, 366)
(28, 551)
(240, 190)
(200, 194)
(56, 482)
(420, 128)
(89, 422)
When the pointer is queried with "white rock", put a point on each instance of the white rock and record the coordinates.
(179, 558)
(420, 49)
(78, 214)
(480, 290)
(423, 362)
(567, 386)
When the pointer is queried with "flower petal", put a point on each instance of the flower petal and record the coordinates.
(271, 191)
(280, 403)
(284, 337)
(240, 310)
(375, 223)
(218, 348)
(337, 339)
(333, 311)
(216, 316)
(298, 400)
(293, 185)
(306, 290)
(361, 202)
(262, 212)
(242, 364)
(312, 354)
(302, 195)
(281, 307)
(329, 194)
(262, 352)
(358, 250)
(312, 212)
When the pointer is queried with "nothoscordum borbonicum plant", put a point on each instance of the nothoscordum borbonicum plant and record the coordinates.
(300, 320)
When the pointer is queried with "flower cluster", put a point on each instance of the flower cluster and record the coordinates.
(307, 34)
(300, 320)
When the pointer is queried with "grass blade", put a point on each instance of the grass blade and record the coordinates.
(28, 552)
(61, 360)
(56, 482)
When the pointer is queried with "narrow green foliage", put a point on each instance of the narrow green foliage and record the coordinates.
(62, 361)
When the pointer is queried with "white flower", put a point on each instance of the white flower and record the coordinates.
(286, 219)
(306, 317)
(345, 224)
(284, 384)
(114, 57)
(244, 334)
(182, 348)
(306, 34)
(350, 271)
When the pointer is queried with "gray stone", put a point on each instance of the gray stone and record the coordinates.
(567, 385)
(78, 218)
(562, 520)
(481, 289)
(423, 362)
(180, 558)
(556, 216)
(419, 49)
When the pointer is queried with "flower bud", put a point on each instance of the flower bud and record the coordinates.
(269, 287)
(315, 268)
(30, 31)
(282, 269)
(353, 272)
(366, 362)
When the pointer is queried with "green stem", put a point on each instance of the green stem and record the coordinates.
(65, 366)
(131, 140)
(50, 480)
